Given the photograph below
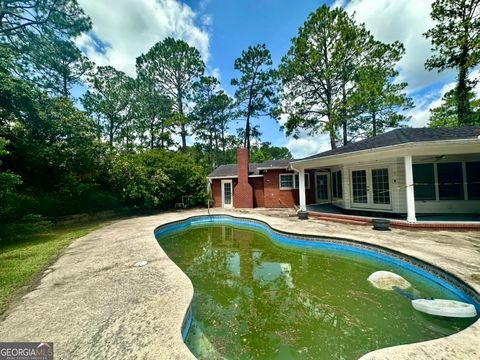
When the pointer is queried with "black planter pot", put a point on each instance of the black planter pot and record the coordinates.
(381, 224)
(302, 215)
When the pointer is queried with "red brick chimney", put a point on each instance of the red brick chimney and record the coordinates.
(243, 192)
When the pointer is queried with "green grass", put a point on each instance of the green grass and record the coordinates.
(24, 257)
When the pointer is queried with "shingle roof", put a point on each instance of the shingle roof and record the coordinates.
(230, 170)
(394, 137)
(403, 136)
(274, 164)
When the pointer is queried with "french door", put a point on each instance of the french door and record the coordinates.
(322, 189)
(371, 188)
(227, 194)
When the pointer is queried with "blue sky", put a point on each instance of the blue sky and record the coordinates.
(221, 29)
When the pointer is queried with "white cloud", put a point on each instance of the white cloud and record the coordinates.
(130, 28)
(405, 21)
(421, 114)
(308, 145)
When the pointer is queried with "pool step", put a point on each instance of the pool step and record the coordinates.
(340, 218)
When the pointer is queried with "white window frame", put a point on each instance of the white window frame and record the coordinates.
(280, 181)
(296, 184)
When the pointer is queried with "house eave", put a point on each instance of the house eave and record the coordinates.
(273, 168)
(457, 146)
(230, 177)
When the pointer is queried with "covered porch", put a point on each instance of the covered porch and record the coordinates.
(421, 183)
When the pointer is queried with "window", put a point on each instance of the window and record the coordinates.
(307, 181)
(381, 186)
(473, 180)
(286, 181)
(337, 186)
(450, 181)
(290, 181)
(424, 181)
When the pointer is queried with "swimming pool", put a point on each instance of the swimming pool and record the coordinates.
(261, 293)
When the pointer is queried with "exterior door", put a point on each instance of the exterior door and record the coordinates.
(322, 189)
(360, 188)
(371, 188)
(380, 189)
(227, 194)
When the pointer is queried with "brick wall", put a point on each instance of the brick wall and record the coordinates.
(217, 190)
(266, 191)
(274, 197)
(258, 193)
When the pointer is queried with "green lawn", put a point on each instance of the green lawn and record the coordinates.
(23, 258)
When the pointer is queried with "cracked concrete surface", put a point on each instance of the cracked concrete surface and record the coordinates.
(94, 303)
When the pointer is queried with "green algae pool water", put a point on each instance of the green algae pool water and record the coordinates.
(255, 299)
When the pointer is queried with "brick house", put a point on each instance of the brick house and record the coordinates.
(270, 184)
(406, 171)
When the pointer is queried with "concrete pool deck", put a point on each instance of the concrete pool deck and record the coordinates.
(93, 302)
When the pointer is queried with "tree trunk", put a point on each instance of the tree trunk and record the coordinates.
(183, 130)
(333, 136)
(111, 136)
(344, 114)
(463, 104)
(246, 142)
(374, 123)
(65, 88)
(152, 136)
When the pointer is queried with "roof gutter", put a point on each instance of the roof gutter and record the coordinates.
(409, 146)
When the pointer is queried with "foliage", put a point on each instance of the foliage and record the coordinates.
(377, 102)
(445, 115)
(109, 101)
(156, 178)
(153, 115)
(336, 74)
(257, 87)
(173, 66)
(57, 65)
(212, 112)
(455, 40)
(265, 151)
(8, 184)
(39, 33)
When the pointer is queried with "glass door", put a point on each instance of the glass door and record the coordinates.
(376, 180)
(380, 186)
(359, 188)
(227, 194)
(322, 191)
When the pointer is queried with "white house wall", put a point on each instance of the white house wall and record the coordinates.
(398, 196)
(396, 175)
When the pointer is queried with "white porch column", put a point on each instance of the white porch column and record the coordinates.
(411, 217)
(301, 190)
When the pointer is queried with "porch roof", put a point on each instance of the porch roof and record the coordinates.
(230, 170)
(412, 140)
